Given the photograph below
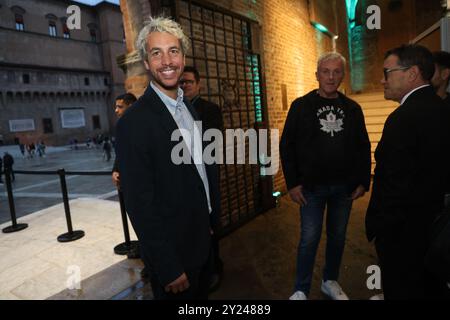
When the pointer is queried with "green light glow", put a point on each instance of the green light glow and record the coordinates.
(351, 8)
(320, 27)
(253, 62)
(276, 194)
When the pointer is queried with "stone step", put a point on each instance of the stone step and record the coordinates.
(376, 119)
(378, 105)
(107, 284)
(374, 128)
(377, 112)
(367, 97)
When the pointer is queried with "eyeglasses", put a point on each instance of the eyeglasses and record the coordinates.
(387, 71)
(183, 82)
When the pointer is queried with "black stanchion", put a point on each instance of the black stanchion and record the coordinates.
(127, 247)
(71, 235)
(12, 208)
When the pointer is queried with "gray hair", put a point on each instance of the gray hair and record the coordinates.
(331, 56)
(160, 24)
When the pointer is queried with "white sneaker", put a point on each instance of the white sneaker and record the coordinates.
(298, 295)
(377, 297)
(332, 289)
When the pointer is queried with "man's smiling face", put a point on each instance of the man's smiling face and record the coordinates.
(165, 60)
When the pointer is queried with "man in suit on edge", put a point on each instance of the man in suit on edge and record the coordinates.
(409, 182)
(171, 206)
(211, 117)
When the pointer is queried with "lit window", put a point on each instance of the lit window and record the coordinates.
(66, 31)
(52, 29)
(19, 22)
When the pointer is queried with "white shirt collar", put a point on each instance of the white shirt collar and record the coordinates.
(409, 93)
(170, 103)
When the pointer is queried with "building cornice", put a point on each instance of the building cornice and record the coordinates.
(51, 68)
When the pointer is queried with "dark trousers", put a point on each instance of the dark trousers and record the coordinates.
(217, 262)
(199, 280)
(403, 274)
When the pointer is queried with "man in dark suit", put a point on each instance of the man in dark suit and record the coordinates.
(441, 75)
(440, 82)
(122, 103)
(211, 118)
(411, 166)
(170, 205)
(208, 112)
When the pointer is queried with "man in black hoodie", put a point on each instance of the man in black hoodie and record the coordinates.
(325, 153)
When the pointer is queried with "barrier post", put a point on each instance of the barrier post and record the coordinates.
(128, 246)
(70, 235)
(12, 208)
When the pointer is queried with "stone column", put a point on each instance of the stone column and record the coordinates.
(135, 12)
(364, 51)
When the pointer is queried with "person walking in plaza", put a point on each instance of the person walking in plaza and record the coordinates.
(410, 175)
(172, 206)
(325, 154)
(22, 149)
(107, 149)
(8, 162)
(211, 117)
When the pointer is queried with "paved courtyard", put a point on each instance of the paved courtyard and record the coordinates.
(36, 192)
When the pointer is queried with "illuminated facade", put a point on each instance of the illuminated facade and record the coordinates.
(57, 84)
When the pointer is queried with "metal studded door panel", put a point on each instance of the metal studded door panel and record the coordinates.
(230, 72)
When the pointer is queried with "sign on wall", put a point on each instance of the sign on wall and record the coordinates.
(72, 118)
(20, 125)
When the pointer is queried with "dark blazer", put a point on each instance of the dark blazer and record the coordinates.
(411, 168)
(115, 167)
(167, 203)
(209, 113)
